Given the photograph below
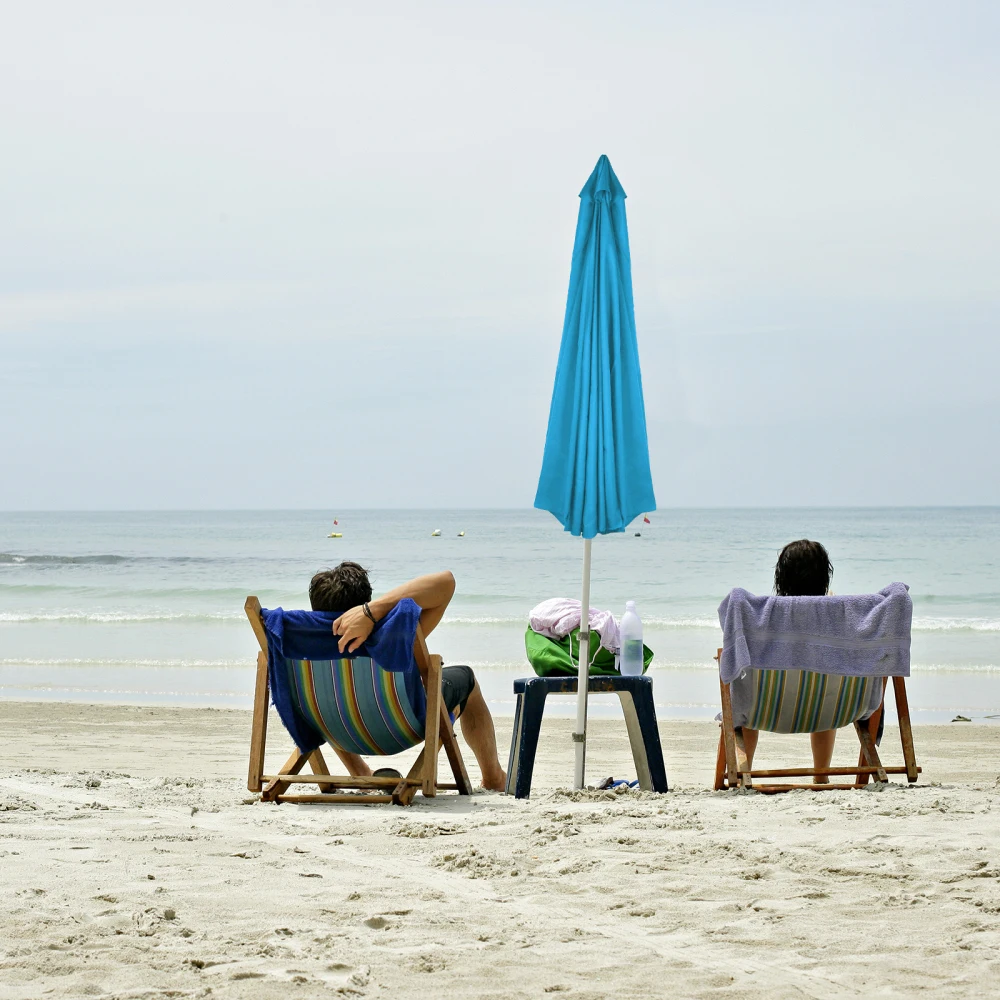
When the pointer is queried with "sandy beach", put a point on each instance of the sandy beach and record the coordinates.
(135, 865)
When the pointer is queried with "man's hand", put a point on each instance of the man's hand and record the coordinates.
(431, 593)
(353, 627)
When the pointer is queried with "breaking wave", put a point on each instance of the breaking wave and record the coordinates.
(113, 617)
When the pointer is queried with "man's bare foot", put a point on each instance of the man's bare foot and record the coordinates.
(495, 783)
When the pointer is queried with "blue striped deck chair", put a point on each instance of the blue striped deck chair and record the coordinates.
(802, 701)
(354, 705)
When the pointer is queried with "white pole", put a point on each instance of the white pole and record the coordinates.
(583, 671)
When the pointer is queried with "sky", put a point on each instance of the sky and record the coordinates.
(275, 255)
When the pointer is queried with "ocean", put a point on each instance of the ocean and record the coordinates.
(147, 607)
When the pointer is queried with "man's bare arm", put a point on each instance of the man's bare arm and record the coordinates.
(432, 593)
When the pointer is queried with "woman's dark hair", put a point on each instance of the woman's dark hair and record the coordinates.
(803, 570)
(341, 588)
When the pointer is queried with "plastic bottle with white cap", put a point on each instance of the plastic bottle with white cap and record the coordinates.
(630, 632)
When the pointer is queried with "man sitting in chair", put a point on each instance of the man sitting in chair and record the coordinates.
(348, 586)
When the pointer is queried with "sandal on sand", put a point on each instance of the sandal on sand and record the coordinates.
(617, 783)
(387, 772)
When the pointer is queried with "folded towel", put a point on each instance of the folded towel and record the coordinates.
(861, 635)
(558, 616)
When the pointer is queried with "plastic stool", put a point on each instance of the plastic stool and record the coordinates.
(636, 694)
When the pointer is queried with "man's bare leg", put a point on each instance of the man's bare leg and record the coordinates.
(356, 765)
(479, 733)
(822, 748)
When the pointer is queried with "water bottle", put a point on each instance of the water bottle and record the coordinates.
(631, 639)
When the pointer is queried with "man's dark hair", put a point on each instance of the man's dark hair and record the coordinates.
(803, 570)
(341, 588)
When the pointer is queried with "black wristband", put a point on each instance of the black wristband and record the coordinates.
(367, 611)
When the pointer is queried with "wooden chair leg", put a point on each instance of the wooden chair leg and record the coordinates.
(742, 759)
(258, 729)
(869, 751)
(454, 753)
(720, 763)
(873, 723)
(404, 792)
(318, 764)
(432, 728)
(277, 787)
(905, 731)
(445, 734)
(728, 735)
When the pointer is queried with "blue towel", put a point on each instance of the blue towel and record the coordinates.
(860, 635)
(308, 635)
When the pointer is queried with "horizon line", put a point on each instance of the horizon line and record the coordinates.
(336, 511)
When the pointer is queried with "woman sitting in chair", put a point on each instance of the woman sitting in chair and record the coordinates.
(803, 570)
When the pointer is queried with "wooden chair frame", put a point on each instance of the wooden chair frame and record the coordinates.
(731, 769)
(399, 791)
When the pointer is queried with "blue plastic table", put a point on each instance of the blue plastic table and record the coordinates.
(636, 694)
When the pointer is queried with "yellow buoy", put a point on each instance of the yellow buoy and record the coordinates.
(435, 532)
(335, 534)
(461, 534)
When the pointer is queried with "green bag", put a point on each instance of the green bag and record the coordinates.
(558, 657)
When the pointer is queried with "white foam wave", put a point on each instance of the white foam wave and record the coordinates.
(154, 696)
(522, 669)
(709, 665)
(521, 621)
(956, 625)
(922, 624)
(955, 668)
(105, 617)
(125, 663)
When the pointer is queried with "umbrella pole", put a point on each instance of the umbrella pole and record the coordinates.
(583, 671)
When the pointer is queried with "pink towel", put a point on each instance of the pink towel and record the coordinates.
(558, 616)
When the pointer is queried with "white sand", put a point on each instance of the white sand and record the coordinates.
(134, 864)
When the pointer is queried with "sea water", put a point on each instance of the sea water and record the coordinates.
(148, 607)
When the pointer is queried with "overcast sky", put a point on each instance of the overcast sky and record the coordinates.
(316, 255)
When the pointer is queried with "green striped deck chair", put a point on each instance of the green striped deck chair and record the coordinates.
(358, 708)
(802, 701)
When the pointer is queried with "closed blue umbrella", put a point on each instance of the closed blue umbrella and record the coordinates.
(595, 471)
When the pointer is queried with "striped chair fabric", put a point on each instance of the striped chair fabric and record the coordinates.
(355, 704)
(800, 701)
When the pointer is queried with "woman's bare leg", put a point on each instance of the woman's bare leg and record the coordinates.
(822, 748)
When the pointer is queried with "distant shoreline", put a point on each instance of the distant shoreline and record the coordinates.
(478, 510)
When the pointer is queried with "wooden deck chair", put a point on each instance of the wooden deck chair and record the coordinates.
(800, 701)
(359, 708)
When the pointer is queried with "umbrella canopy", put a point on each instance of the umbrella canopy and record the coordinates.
(595, 471)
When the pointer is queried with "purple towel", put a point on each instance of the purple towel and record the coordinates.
(860, 635)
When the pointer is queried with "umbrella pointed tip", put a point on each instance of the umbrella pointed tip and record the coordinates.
(603, 179)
